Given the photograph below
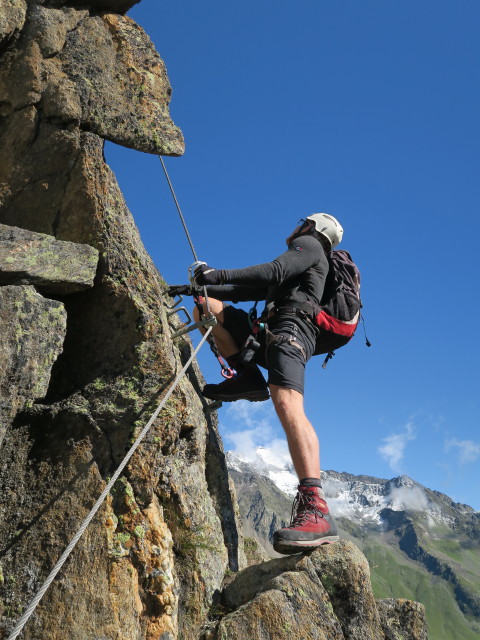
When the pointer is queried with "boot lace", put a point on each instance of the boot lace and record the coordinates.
(303, 508)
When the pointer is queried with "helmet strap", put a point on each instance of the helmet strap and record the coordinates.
(324, 241)
(301, 231)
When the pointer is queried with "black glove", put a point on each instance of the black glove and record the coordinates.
(179, 290)
(205, 275)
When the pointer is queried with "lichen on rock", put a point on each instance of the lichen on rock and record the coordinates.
(345, 574)
(32, 331)
(402, 619)
(324, 594)
(38, 259)
(283, 599)
(71, 79)
(141, 545)
(12, 18)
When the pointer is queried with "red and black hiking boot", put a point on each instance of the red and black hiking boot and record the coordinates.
(311, 524)
(248, 384)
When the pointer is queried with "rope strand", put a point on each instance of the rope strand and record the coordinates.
(41, 592)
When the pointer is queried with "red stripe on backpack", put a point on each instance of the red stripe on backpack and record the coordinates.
(339, 327)
(339, 311)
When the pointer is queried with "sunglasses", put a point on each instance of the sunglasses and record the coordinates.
(304, 221)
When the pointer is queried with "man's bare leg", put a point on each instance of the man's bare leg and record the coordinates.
(301, 437)
(312, 524)
(223, 339)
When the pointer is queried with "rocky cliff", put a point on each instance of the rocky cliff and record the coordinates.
(86, 351)
(85, 357)
(324, 595)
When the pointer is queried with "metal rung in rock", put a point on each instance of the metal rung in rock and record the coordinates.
(177, 311)
(209, 322)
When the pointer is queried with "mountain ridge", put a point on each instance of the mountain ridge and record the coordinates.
(431, 540)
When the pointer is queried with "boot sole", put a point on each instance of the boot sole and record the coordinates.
(296, 546)
(254, 397)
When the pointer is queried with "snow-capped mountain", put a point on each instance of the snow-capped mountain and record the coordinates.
(421, 544)
(361, 499)
(272, 464)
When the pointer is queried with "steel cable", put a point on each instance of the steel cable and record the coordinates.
(41, 592)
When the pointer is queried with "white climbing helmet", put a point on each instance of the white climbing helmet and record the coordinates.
(328, 226)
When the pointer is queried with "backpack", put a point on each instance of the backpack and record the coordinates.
(339, 311)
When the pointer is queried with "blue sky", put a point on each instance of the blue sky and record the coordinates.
(367, 110)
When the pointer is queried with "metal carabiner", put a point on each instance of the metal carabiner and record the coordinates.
(191, 271)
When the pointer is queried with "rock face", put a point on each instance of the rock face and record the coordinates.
(85, 360)
(52, 265)
(402, 619)
(12, 17)
(324, 595)
(32, 331)
(83, 372)
(117, 6)
(72, 74)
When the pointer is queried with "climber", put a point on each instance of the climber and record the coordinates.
(292, 286)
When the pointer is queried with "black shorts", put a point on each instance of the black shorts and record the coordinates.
(284, 349)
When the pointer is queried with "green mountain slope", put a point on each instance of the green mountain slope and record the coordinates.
(394, 576)
(430, 555)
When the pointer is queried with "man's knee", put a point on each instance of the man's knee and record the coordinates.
(286, 400)
(216, 307)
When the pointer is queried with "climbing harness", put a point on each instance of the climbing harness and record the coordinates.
(41, 592)
(251, 344)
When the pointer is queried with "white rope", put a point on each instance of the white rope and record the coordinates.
(33, 605)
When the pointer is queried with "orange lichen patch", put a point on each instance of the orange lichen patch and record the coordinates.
(125, 597)
(144, 539)
(159, 564)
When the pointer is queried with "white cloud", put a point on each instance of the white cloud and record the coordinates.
(412, 498)
(278, 452)
(468, 451)
(252, 414)
(253, 426)
(394, 448)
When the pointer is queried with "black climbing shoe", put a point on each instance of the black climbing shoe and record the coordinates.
(248, 384)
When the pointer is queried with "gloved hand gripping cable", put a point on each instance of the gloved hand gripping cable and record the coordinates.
(200, 296)
(209, 319)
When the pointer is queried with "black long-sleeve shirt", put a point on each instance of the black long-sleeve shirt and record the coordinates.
(298, 275)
